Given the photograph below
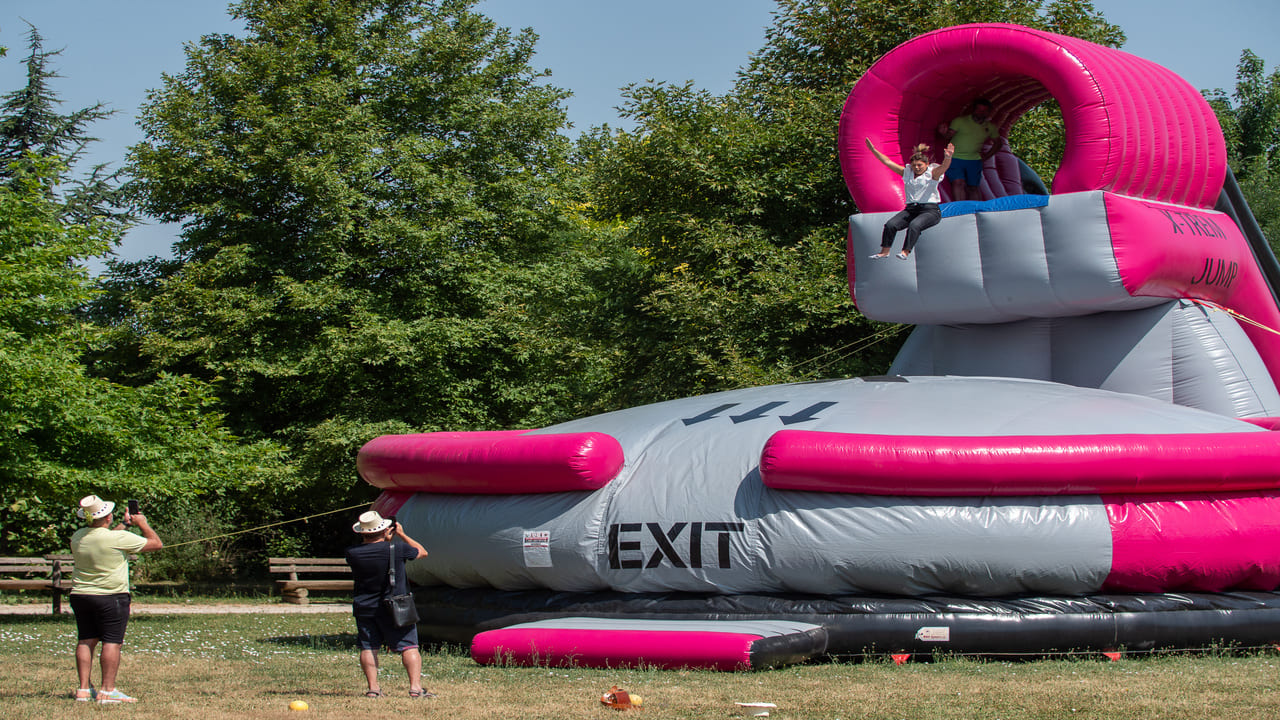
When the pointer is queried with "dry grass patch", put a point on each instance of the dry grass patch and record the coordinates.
(216, 667)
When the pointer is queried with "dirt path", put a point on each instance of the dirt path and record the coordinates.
(180, 608)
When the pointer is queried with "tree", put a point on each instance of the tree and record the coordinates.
(65, 433)
(1252, 128)
(30, 123)
(735, 208)
(371, 230)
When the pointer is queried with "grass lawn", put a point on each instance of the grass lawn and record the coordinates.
(213, 667)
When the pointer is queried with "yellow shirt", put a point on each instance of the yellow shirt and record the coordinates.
(102, 560)
(971, 136)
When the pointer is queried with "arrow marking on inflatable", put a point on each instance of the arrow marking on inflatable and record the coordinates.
(709, 415)
(755, 414)
(807, 414)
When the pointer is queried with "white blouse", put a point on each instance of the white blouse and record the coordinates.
(921, 188)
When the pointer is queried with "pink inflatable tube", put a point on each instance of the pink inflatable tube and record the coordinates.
(390, 501)
(1019, 465)
(616, 648)
(492, 463)
(1132, 126)
(1186, 532)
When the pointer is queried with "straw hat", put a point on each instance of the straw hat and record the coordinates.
(93, 507)
(371, 522)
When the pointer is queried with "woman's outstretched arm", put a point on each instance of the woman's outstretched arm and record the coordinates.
(884, 158)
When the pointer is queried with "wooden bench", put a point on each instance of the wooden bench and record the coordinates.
(295, 589)
(51, 572)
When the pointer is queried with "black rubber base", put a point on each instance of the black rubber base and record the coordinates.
(858, 625)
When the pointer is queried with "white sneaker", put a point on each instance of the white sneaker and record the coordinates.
(115, 696)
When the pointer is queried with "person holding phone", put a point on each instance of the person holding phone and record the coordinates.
(374, 626)
(100, 597)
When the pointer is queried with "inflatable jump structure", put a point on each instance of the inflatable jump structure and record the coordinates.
(1071, 451)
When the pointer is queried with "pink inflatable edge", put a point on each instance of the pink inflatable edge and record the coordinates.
(667, 649)
(492, 463)
(1179, 252)
(390, 501)
(1200, 543)
(1177, 520)
(942, 466)
(1132, 126)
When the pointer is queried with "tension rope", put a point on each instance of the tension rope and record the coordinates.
(1242, 318)
(851, 348)
(264, 527)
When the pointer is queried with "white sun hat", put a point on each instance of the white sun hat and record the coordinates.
(371, 522)
(93, 507)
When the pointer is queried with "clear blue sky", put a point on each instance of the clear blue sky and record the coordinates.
(115, 50)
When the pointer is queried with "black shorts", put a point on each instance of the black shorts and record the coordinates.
(377, 631)
(101, 617)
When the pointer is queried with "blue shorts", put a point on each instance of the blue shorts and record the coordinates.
(970, 170)
(376, 631)
(101, 617)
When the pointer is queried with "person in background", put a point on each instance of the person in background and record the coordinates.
(920, 180)
(100, 597)
(969, 133)
(374, 626)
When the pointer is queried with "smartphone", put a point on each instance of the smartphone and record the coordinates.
(394, 525)
(133, 507)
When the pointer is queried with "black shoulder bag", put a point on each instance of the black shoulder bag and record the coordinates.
(404, 611)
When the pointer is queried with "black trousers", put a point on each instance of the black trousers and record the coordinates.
(916, 219)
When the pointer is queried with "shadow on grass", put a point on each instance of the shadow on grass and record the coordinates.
(336, 641)
(295, 692)
(70, 619)
(37, 619)
(347, 641)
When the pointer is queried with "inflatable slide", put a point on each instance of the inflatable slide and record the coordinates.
(1071, 452)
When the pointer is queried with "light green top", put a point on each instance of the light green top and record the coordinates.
(970, 136)
(102, 560)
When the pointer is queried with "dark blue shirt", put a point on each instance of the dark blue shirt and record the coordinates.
(368, 563)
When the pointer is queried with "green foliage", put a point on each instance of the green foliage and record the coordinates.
(384, 231)
(30, 124)
(283, 542)
(733, 209)
(827, 45)
(733, 280)
(1251, 125)
(197, 548)
(64, 433)
(374, 236)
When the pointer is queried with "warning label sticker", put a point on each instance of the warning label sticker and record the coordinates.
(934, 634)
(537, 548)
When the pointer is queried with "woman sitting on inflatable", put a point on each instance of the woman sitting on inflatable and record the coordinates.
(920, 182)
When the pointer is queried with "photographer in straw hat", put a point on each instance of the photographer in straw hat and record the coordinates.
(100, 596)
(374, 626)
